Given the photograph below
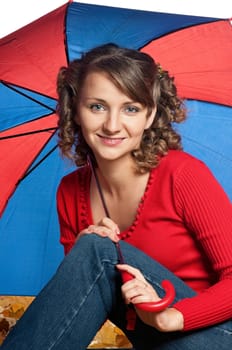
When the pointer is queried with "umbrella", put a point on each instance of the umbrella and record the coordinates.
(196, 50)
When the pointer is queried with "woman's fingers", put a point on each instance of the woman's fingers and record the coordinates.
(105, 228)
(137, 290)
(132, 270)
(110, 224)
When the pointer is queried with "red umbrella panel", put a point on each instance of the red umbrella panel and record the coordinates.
(200, 60)
(196, 50)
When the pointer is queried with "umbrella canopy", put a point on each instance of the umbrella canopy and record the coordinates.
(195, 50)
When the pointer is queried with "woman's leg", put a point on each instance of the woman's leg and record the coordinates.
(147, 338)
(69, 311)
(85, 291)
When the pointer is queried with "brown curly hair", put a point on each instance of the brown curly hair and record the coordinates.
(138, 76)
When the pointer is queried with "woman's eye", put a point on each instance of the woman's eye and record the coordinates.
(132, 109)
(96, 107)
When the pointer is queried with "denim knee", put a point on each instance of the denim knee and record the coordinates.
(100, 247)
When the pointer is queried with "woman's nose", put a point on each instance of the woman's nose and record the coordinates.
(112, 123)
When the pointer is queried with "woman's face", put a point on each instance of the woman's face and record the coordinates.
(112, 124)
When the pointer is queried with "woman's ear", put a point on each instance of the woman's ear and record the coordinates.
(151, 118)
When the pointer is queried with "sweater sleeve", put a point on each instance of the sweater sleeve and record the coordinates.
(66, 216)
(207, 211)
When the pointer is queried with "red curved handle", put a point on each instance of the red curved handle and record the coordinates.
(155, 306)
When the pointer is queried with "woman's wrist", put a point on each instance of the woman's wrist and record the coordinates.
(169, 320)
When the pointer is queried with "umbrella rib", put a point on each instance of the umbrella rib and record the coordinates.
(184, 27)
(5, 83)
(27, 133)
(36, 165)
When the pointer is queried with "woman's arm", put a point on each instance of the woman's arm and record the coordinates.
(67, 218)
(138, 290)
(207, 212)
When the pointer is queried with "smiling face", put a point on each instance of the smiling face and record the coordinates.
(111, 122)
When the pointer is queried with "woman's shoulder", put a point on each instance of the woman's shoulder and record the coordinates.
(180, 168)
(176, 159)
(178, 164)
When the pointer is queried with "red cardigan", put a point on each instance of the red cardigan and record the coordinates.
(184, 221)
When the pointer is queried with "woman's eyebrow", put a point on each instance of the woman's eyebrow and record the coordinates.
(101, 100)
(94, 98)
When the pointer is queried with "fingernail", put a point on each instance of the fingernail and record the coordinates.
(117, 231)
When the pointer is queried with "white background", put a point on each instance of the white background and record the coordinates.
(16, 13)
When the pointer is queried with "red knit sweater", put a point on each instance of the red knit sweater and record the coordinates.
(184, 221)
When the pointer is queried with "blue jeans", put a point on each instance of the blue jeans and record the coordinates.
(85, 291)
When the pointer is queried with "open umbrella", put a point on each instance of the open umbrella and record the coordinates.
(196, 50)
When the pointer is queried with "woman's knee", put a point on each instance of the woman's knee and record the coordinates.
(94, 245)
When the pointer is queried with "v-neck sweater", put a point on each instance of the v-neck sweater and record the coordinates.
(184, 221)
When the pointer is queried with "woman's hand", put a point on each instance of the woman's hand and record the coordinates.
(138, 290)
(105, 228)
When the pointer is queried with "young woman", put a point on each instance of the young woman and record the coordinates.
(136, 190)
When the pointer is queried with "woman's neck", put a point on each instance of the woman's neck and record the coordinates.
(114, 177)
(121, 190)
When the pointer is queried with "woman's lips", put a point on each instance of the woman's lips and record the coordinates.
(111, 141)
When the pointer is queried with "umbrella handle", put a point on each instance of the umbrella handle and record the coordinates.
(155, 306)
